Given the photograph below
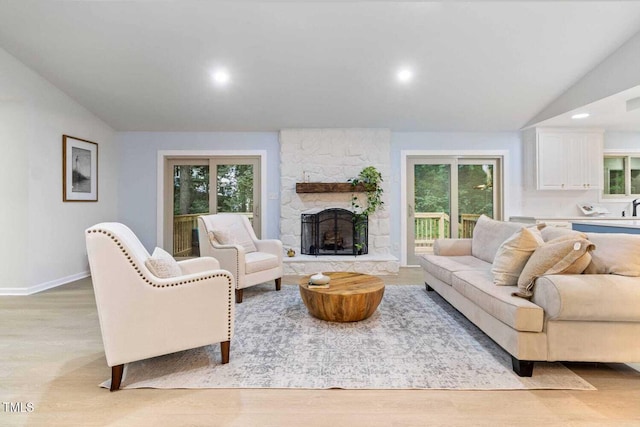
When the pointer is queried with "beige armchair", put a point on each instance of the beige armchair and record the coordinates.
(231, 240)
(142, 315)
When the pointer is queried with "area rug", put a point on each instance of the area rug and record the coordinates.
(415, 340)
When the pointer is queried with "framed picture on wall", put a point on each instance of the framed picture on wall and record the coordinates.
(79, 170)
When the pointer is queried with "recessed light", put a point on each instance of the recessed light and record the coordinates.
(404, 75)
(580, 116)
(221, 77)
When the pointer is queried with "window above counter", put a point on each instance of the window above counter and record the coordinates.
(621, 175)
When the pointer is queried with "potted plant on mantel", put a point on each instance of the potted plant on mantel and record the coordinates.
(370, 178)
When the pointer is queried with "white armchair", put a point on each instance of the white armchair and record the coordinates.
(143, 316)
(231, 240)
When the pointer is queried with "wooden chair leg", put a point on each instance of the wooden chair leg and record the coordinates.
(116, 377)
(278, 283)
(238, 296)
(224, 349)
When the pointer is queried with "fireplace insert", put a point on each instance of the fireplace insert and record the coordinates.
(334, 231)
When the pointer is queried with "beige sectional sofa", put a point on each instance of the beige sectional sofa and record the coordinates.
(570, 317)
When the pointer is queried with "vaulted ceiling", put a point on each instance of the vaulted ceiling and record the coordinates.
(477, 66)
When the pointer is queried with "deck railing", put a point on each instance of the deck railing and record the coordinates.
(185, 239)
(435, 225)
(430, 226)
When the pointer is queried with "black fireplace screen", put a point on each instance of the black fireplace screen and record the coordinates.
(334, 231)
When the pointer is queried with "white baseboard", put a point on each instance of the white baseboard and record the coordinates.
(44, 286)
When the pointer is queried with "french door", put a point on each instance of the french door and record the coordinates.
(446, 195)
(208, 185)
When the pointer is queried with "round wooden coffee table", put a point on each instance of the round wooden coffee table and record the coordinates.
(350, 297)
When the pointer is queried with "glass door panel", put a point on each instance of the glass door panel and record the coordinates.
(430, 205)
(475, 195)
(237, 188)
(432, 202)
(190, 199)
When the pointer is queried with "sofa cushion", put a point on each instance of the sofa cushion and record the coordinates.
(564, 255)
(489, 234)
(259, 261)
(498, 301)
(162, 264)
(615, 254)
(443, 266)
(513, 254)
(452, 247)
(588, 297)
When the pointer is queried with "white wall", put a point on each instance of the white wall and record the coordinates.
(622, 141)
(138, 159)
(13, 191)
(45, 234)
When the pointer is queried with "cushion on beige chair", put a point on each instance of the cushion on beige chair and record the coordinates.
(162, 264)
(513, 255)
(259, 261)
(235, 234)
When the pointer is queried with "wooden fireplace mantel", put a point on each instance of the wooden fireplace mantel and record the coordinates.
(329, 187)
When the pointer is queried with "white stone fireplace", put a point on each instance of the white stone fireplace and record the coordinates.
(329, 156)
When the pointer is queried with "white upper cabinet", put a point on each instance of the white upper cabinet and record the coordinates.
(563, 159)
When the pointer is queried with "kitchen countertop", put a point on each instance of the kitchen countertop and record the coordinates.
(626, 223)
(522, 218)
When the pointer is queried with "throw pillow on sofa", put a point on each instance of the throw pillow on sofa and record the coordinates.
(488, 235)
(564, 255)
(615, 254)
(513, 254)
(551, 233)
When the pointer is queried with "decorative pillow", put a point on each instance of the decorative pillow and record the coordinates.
(564, 255)
(615, 254)
(551, 233)
(219, 237)
(235, 234)
(162, 264)
(488, 235)
(513, 255)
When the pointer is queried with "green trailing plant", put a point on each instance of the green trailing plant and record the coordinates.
(370, 178)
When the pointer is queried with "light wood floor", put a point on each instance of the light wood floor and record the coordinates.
(51, 355)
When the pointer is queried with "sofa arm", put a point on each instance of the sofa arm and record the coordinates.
(270, 246)
(452, 247)
(588, 297)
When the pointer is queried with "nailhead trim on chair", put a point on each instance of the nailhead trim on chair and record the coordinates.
(220, 247)
(184, 282)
